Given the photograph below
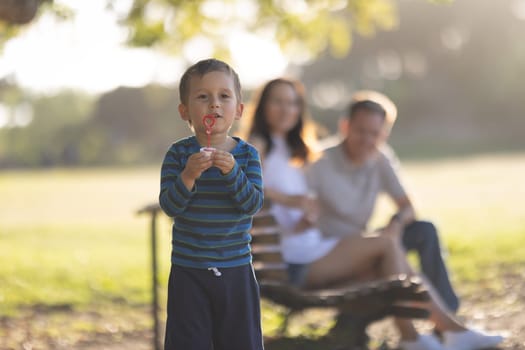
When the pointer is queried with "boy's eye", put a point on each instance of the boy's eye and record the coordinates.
(225, 95)
(202, 96)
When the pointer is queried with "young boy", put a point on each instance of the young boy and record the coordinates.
(213, 297)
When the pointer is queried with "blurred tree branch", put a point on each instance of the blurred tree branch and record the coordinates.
(14, 14)
(305, 27)
(19, 11)
(301, 27)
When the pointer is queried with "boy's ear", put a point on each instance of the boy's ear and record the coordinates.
(240, 108)
(183, 111)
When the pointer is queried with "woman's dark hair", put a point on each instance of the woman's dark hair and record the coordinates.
(295, 138)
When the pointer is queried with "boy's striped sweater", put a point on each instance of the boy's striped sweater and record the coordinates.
(212, 221)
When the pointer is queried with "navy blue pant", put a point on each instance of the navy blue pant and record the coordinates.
(422, 237)
(209, 312)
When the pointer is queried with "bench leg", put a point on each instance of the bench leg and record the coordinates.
(353, 329)
(286, 321)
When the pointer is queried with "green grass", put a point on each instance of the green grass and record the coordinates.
(476, 204)
(72, 237)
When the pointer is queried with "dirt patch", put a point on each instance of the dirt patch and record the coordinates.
(501, 311)
(127, 328)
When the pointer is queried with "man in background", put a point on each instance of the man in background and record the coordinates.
(349, 177)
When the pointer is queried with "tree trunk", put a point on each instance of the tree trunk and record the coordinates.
(18, 11)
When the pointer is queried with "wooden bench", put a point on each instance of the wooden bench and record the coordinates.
(364, 302)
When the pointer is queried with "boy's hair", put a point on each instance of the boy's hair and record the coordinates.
(366, 106)
(203, 67)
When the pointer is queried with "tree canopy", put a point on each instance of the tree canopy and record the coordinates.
(301, 27)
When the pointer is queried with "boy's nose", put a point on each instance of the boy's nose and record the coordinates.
(214, 103)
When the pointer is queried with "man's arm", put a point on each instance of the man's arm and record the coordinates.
(405, 214)
(392, 185)
(405, 211)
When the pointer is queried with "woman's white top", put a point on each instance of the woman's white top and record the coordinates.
(297, 247)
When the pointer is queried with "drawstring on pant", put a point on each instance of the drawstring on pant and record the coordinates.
(215, 270)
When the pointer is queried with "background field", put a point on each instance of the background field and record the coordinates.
(71, 238)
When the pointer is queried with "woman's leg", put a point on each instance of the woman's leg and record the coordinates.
(357, 257)
(360, 258)
(372, 257)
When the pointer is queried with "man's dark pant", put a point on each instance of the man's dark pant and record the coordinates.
(422, 237)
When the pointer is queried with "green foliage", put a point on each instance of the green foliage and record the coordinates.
(340, 40)
(7, 31)
(300, 27)
(146, 34)
(51, 135)
(125, 126)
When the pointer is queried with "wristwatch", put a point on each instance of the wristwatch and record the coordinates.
(396, 217)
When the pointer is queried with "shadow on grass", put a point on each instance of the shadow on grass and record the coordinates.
(345, 335)
(302, 343)
(332, 341)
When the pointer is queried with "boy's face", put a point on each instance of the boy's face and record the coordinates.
(212, 93)
(363, 134)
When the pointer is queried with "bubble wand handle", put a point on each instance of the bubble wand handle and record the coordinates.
(208, 120)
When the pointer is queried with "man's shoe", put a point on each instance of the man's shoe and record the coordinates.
(423, 342)
(469, 340)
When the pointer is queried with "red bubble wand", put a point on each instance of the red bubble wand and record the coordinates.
(208, 120)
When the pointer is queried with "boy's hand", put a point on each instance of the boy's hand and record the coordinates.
(197, 163)
(224, 161)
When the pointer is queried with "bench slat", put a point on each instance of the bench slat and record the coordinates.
(271, 272)
(360, 300)
(266, 235)
(263, 218)
(267, 253)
